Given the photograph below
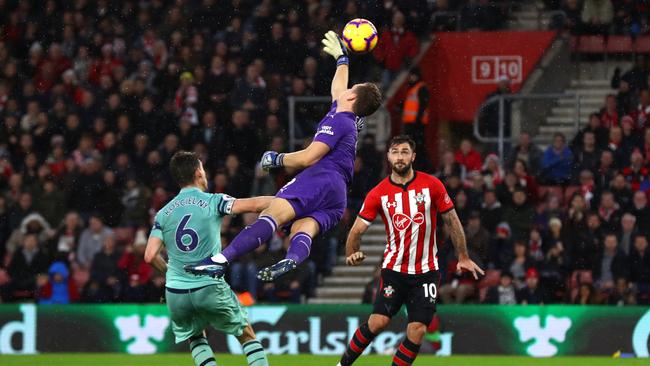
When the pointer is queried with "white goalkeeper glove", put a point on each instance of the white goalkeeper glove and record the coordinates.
(333, 46)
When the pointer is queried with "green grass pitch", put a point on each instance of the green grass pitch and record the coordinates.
(302, 360)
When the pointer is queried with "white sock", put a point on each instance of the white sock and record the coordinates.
(219, 258)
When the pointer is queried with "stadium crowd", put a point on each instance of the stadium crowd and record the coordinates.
(625, 17)
(96, 97)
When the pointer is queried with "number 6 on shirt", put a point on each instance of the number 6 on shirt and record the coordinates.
(182, 231)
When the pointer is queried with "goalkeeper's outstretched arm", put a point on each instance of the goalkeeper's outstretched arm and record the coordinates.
(335, 47)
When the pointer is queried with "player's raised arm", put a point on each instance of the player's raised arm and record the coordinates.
(353, 255)
(254, 204)
(333, 46)
(457, 234)
(296, 160)
(152, 254)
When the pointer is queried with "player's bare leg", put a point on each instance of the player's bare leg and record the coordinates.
(277, 214)
(363, 337)
(253, 350)
(302, 232)
(410, 346)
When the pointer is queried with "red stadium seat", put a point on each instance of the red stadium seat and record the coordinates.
(642, 44)
(591, 44)
(619, 44)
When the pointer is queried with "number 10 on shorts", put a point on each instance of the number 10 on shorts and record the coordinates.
(430, 290)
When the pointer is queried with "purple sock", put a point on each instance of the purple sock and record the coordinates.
(299, 248)
(250, 238)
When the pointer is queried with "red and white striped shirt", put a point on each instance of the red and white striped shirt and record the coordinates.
(409, 214)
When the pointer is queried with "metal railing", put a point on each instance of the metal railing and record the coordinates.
(378, 123)
(500, 140)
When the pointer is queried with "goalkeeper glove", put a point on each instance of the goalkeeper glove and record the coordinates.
(360, 122)
(272, 159)
(335, 47)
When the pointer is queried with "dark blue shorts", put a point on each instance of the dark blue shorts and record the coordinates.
(319, 195)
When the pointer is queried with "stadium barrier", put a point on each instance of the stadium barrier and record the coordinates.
(324, 329)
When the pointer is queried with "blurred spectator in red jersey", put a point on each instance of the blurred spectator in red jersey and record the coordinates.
(104, 66)
(397, 46)
(609, 113)
(636, 173)
(468, 157)
(640, 115)
(132, 261)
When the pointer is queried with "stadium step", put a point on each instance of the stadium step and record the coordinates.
(343, 270)
(334, 301)
(370, 259)
(346, 281)
(340, 292)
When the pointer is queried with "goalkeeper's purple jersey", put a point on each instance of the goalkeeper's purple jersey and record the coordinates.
(339, 132)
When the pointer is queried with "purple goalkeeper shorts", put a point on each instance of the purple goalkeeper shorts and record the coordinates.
(319, 195)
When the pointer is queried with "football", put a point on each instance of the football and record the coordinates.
(360, 35)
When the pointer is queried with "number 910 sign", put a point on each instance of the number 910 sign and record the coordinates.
(489, 69)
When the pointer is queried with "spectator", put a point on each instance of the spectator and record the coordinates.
(415, 116)
(468, 157)
(489, 118)
(586, 157)
(479, 15)
(594, 126)
(504, 293)
(640, 269)
(450, 167)
(59, 287)
(370, 290)
(606, 170)
(491, 211)
(526, 151)
(627, 232)
(597, 16)
(443, 20)
(397, 47)
(640, 208)
(519, 215)
(105, 273)
(133, 264)
(526, 181)
(636, 174)
(609, 115)
(26, 263)
(33, 223)
(91, 240)
(478, 238)
(520, 263)
(531, 293)
(556, 162)
(492, 171)
(609, 212)
(586, 295)
(623, 293)
(459, 287)
(610, 264)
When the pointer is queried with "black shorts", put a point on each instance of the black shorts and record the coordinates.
(417, 291)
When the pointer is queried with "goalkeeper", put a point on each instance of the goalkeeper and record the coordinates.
(313, 202)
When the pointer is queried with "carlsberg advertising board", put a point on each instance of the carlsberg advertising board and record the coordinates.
(538, 331)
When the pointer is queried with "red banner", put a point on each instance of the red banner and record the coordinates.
(462, 68)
